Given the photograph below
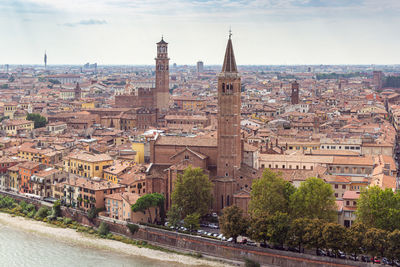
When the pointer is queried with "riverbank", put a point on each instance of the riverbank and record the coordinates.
(88, 240)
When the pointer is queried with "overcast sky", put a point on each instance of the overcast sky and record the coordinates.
(264, 31)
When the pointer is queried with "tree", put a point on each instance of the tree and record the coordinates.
(56, 209)
(355, 238)
(375, 242)
(174, 215)
(259, 226)
(313, 237)
(39, 121)
(192, 192)
(393, 239)
(232, 222)
(103, 229)
(278, 228)
(192, 221)
(379, 208)
(334, 235)
(270, 194)
(144, 203)
(314, 199)
(297, 233)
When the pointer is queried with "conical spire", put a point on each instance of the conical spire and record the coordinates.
(229, 61)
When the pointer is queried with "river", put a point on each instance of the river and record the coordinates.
(23, 248)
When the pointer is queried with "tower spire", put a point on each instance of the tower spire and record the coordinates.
(229, 60)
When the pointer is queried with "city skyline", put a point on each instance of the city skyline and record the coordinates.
(306, 32)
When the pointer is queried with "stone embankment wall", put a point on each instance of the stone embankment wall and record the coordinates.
(206, 246)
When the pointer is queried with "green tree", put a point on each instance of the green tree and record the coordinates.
(103, 229)
(375, 242)
(38, 120)
(192, 221)
(334, 236)
(43, 212)
(174, 215)
(192, 192)
(297, 233)
(279, 227)
(144, 203)
(313, 237)
(259, 227)
(379, 208)
(355, 238)
(314, 199)
(133, 228)
(232, 222)
(393, 242)
(270, 194)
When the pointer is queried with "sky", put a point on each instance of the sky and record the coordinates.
(265, 32)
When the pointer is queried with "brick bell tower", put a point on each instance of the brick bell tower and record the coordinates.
(229, 141)
(162, 75)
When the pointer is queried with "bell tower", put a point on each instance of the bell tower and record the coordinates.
(229, 103)
(162, 75)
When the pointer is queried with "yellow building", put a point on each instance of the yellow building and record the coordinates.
(13, 172)
(13, 127)
(138, 146)
(88, 105)
(87, 165)
(9, 109)
(112, 173)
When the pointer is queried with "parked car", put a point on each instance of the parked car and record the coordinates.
(321, 252)
(215, 235)
(396, 263)
(331, 254)
(341, 254)
(353, 257)
(387, 261)
(200, 231)
(365, 258)
(278, 247)
(251, 243)
(375, 260)
(230, 239)
(213, 226)
(293, 249)
(265, 245)
(220, 236)
(215, 215)
(209, 234)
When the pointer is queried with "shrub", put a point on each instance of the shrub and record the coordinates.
(251, 263)
(42, 213)
(67, 221)
(133, 228)
(31, 214)
(103, 229)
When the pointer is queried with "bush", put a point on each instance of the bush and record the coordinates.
(31, 214)
(42, 213)
(251, 263)
(133, 228)
(103, 229)
(67, 221)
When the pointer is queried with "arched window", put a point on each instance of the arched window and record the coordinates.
(223, 87)
(222, 201)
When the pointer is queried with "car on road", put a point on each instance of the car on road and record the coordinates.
(230, 239)
(321, 252)
(341, 254)
(353, 257)
(387, 261)
(375, 260)
(365, 258)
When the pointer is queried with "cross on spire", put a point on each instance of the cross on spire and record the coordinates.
(230, 32)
